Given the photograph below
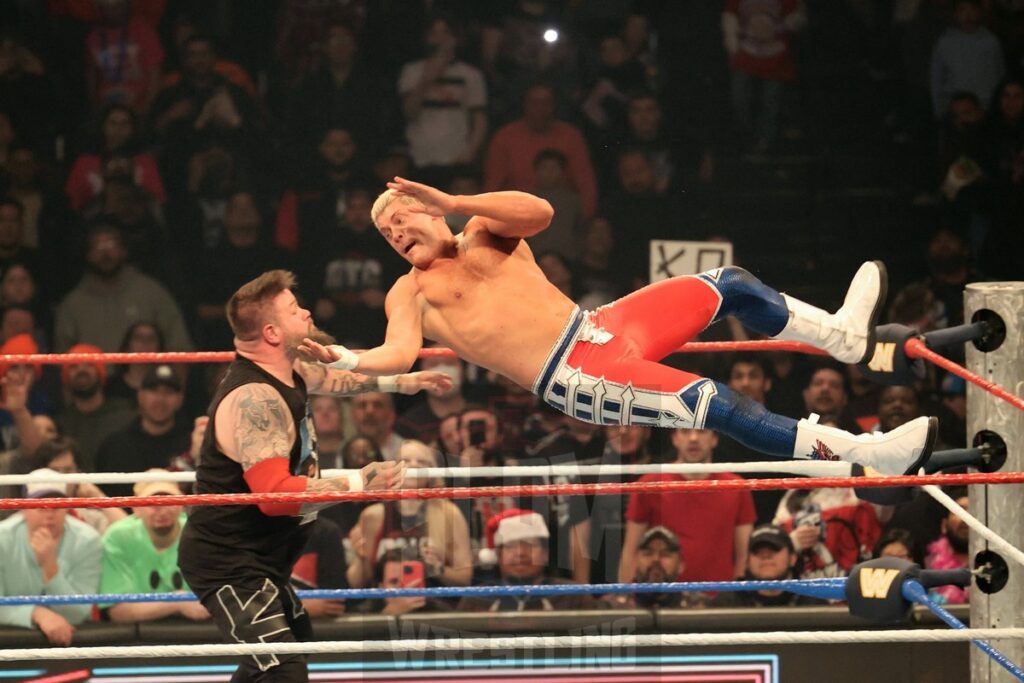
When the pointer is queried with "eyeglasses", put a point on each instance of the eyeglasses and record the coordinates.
(176, 581)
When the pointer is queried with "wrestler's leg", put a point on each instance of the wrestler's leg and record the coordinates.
(662, 316)
(603, 384)
(667, 397)
(258, 614)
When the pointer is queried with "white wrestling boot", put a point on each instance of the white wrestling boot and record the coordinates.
(849, 333)
(900, 451)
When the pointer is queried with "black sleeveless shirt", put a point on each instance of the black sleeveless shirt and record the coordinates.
(236, 544)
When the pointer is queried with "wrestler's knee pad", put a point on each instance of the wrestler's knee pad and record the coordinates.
(756, 305)
(747, 421)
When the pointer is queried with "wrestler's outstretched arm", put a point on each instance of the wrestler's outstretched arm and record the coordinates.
(402, 341)
(325, 381)
(505, 214)
(255, 429)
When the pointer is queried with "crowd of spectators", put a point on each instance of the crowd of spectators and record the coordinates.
(155, 155)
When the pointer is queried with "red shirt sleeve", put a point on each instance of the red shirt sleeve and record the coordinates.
(151, 181)
(78, 188)
(286, 230)
(639, 507)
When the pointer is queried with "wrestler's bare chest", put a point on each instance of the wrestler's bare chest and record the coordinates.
(494, 309)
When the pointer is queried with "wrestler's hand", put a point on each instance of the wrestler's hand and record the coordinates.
(335, 355)
(435, 202)
(381, 476)
(437, 383)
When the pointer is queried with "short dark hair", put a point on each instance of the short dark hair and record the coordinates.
(247, 309)
(49, 451)
(392, 555)
(897, 535)
(749, 358)
(104, 227)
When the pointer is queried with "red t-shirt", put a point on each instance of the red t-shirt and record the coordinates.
(704, 521)
(85, 181)
(764, 38)
(125, 58)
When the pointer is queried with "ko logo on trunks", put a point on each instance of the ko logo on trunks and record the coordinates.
(250, 622)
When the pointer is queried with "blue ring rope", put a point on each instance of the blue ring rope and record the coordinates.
(915, 592)
(826, 589)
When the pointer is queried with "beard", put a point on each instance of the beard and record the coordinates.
(85, 391)
(291, 343)
(957, 543)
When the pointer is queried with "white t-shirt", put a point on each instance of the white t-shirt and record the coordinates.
(441, 131)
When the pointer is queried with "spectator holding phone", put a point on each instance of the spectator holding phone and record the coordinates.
(479, 443)
(394, 571)
(433, 532)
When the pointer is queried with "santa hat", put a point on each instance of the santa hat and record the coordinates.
(101, 368)
(18, 345)
(510, 526)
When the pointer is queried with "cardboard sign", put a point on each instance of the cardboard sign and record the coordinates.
(670, 258)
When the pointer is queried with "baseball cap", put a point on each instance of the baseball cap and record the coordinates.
(161, 376)
(156, 488)
(671, 540)
(772, 536)
(46, 489)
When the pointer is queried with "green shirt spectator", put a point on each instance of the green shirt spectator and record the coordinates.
(141, 556)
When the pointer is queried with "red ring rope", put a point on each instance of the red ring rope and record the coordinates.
(228, 356)
(520, 490)
(916, 348)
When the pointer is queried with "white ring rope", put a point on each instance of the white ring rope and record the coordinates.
(802, 468)
(974, 523)
(442, 645)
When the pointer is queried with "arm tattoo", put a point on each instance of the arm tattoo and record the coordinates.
(262, 427)
(323, 380)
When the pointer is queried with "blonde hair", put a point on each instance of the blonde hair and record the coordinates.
(439, 514)
(384, 200)
(248, 309)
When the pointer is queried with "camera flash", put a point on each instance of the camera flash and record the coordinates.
(550, 35)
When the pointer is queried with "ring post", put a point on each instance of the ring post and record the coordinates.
(999, 507)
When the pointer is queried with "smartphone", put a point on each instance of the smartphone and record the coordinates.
(412, 573)
(810, 515)
(477, 432)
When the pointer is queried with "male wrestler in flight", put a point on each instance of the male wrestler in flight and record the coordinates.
(481, 294)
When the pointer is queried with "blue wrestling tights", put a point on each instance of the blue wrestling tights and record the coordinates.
(749, 422)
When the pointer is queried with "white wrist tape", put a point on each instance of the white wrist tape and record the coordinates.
(388, 383)
(348, 359)
(355, 481)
